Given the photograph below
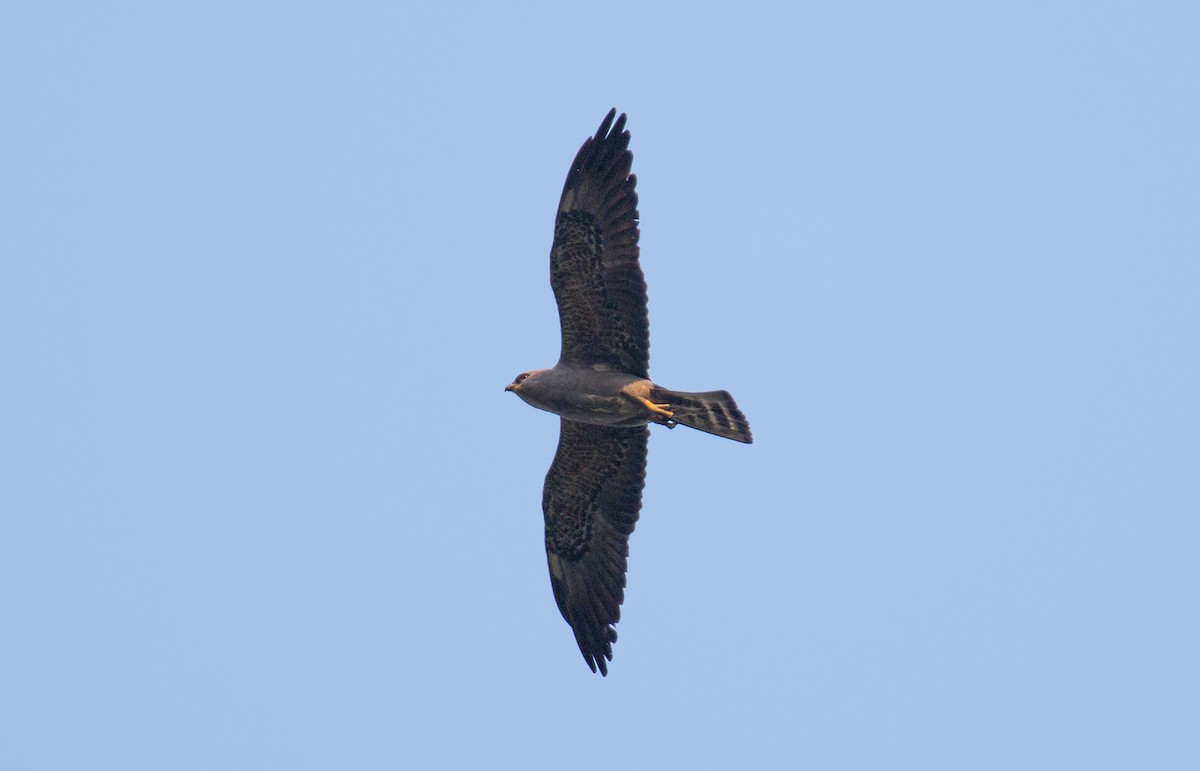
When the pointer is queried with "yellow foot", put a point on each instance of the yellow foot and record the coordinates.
(661, 410)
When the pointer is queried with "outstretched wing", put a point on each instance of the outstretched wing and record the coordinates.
(594, 269)
(591, 501)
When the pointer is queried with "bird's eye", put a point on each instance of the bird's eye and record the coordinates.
(522, 376)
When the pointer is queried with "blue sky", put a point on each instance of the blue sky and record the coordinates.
(267, 268)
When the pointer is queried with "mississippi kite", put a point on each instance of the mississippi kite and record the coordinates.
(601, 390)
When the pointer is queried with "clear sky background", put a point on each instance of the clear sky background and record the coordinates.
(265, 269)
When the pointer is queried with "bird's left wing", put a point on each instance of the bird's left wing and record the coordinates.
(591, 500)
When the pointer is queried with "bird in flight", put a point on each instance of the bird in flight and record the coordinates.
(601, 390)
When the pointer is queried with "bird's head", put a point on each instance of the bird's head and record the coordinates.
(519, 379)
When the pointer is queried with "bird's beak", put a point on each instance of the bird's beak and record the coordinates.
(510, 386)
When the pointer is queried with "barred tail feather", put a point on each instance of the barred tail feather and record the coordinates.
(712, 411)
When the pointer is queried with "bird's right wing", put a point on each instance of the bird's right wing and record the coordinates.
(594, 268)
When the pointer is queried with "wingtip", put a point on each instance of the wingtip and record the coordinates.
(613, 125)
(595, 663)
(597, 656)
(606, 124)
(619, 126)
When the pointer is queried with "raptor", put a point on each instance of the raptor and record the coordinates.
(602, 392)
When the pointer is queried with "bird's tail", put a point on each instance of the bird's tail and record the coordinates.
(713, 411)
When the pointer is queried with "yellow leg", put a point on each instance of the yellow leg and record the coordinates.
(661, 410)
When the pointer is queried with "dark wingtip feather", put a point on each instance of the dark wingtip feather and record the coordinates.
(610, 134)
(619, 127)
(606, 124)
(597, 650)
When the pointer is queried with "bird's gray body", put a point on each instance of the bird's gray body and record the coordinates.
(587, 395)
